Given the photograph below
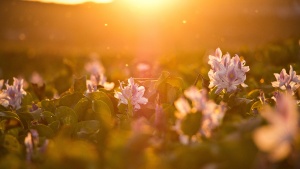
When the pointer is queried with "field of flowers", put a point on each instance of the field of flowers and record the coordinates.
(219, 110)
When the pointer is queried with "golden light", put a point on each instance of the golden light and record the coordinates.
(153, 5)
(72, 2)
(147, 3)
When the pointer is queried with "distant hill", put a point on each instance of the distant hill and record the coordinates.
(117, 28)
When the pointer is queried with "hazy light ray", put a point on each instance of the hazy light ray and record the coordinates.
(72, 1)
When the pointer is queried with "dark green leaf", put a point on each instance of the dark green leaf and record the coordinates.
(80, 84)
(11, 144)
(66, 115)
(190, 125)
(11, 115)
(27, 100)
(54, 125)
(48, 105)
(70, 100)
(87, 127)
(101, 96)
(48, 116)
(81, 108)
(102, 112)
(44, 131)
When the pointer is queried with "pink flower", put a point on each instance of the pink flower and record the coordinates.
(277, 137)
(226, 73)
(13, 94)
(97, 77)
(131, 94)
(213, 115)
(286, 81)
(198, 97)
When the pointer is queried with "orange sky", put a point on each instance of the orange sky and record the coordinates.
(72, 1)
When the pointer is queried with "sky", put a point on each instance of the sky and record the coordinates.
(72, 1)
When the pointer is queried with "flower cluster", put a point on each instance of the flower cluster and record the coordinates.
(286, 81)
(97, 77)
(276, 138)
(13, 94)
(32, 142)
(132, 94)
(226, 72)
(212, 114)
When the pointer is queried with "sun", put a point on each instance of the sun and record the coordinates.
(148, 3)
(72, 1)
(151, 6)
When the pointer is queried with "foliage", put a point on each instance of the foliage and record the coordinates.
(64, 125)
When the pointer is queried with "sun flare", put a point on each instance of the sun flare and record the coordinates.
(146, 4)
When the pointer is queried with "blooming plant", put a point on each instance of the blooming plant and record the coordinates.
(97, 77)
(226, 72)
(131, 95)
(212, 114)
(168, 122)
(277, 137)
(13, 94)
(284, 81)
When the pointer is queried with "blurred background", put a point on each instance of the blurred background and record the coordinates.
(145, 28)
(39, 32)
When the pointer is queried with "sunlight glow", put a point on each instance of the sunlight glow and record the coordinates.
(72, 2)
(150, 4)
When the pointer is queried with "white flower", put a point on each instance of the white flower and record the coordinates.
(29, 146)
(13, 94)
(226, 73)
(97, 77)
(198, 97)
(131, 94)
(33, 145)
(276, 138)
(183, 107)
(286, 81)
(213, 115)
(94, 67)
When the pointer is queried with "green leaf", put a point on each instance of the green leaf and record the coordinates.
(162, 78)
(123, 108)
(81, 108)
(175, 82)
(80, 84)
(70, 100)
(44, 131)
(11, 144)
(48, 116)
(8, 114)
(101, 96)
(11, 115)
(190, 125)
(48, 105)
(87, 127)
(35, 114)
(54, 125)
(66, 115)
(26, 118)
(173, 93)
(27, 99)
(102, 112)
